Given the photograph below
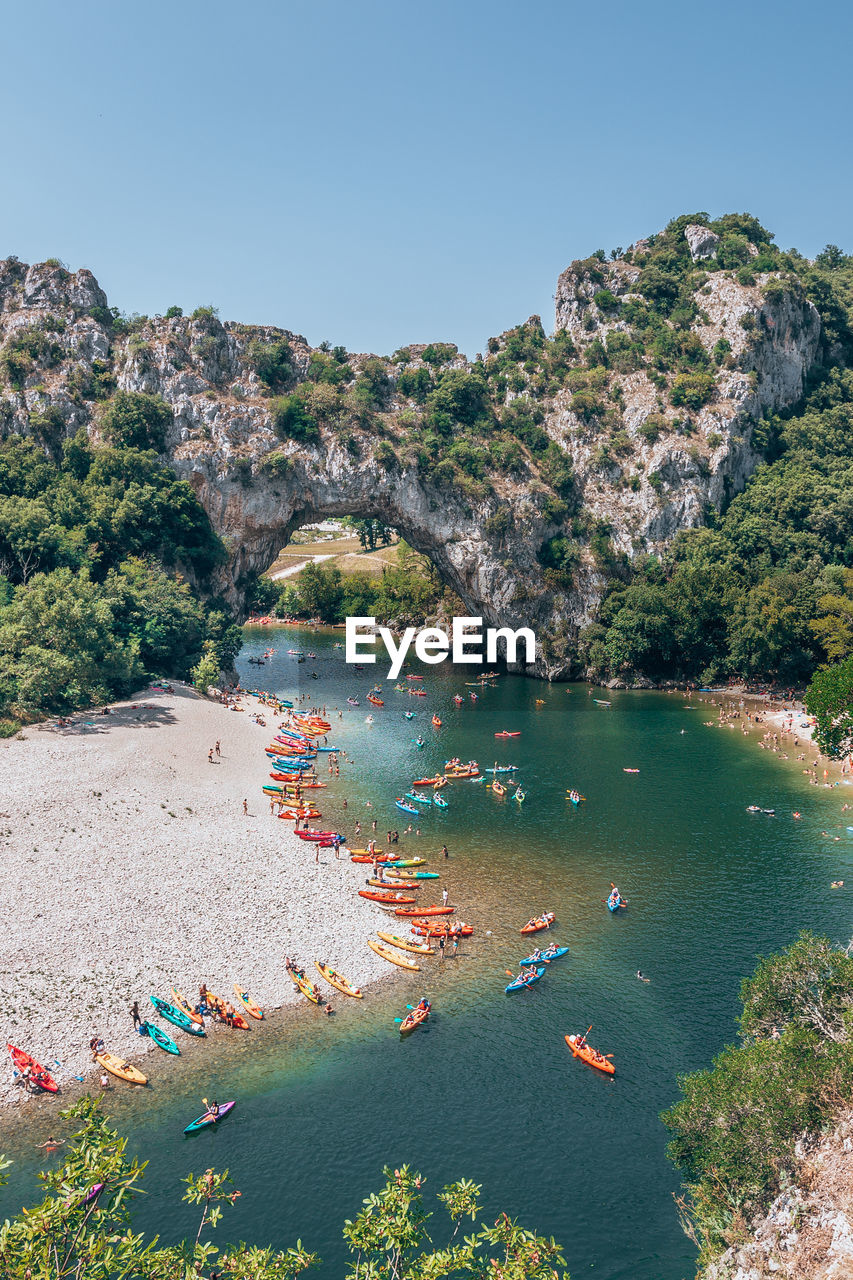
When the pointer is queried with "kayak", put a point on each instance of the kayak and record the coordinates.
(172, 1014)
(418, 797)
(118, 1067)
(236, 1020)
(307, 988)
(437, 722)
(405, 944)
(247, 1003)
(209, 1118)
(413, 1019)
(502, 768)
(613, 904)
(426, 930)
(159, 1037)
(428, 782)
(335, 980)
(377, 702)
(393, 885)
(439, 802)
(591, 1056)
(410, 862)
(38, 1075)
(506, 734)
(393, 957)
(425, 911)
(407, 808)
(545, 959)
(541, 922)
(525, 979)
(378, 896)
(402, 874)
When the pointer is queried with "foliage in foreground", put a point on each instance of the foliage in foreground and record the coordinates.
(64, 1237)
(737, 1125)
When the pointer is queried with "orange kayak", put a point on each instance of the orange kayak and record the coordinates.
(248, 1003)
(425, 911)
(376, 895)
(217, 1003)
(541, 922)
(185, 1008)
(589, 1055)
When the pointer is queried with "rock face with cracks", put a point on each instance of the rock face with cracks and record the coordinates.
(63, 353)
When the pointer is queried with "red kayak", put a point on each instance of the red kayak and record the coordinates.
(38, 1075)
(316, 835)
(380, 858)
(376, 895)
(540, 923)
(505, 734)
(425, 911)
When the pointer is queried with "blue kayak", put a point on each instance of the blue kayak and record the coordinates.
(172, 1014)
(407, 808)
(544, 959)
(613, 904)
(158, 1036)
(525, 979)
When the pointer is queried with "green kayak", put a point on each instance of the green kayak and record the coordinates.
(171, 1014)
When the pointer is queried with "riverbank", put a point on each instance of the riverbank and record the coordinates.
(132, 866)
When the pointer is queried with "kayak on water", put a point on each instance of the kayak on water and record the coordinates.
(407, 808)
(504, 733)
(415, 1017)
(540, 922)
(544, 957)
(525, 979)
(121, 1069)
(159, 1037)
(210, 1117)
(581, 1049)
(24, 1062)
(177, 1016)
(615, 900)
(425, 929)
(439, 802)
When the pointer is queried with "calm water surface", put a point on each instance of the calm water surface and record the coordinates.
(488, 1089)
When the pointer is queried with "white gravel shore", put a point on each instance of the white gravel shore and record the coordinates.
(129, 866)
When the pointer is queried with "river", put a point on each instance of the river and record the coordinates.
(488, 1089)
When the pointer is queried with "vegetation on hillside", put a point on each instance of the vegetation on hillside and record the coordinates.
(67, 1238)
(737, 1125)
(409, 589)
(92, 544)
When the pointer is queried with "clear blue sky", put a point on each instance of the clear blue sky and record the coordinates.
(379, 173)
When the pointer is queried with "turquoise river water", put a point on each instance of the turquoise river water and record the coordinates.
(489, 1090)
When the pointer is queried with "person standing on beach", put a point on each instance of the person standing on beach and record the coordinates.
(441, 947)
(444, 896)
(210, 756)
(246, 807)
(134, 1013)
(218, 753)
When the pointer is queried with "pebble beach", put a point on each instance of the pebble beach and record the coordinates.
(129, 866)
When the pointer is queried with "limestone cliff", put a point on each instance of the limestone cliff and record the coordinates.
(640, 468)
(808, 1231)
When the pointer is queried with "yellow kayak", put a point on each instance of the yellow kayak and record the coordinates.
(307, 988)
(405, 944)
(335, 980)
(186, 1008)
(393, 957)
(118, 1067)
(248, 1003)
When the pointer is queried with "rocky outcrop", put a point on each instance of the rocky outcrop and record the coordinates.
(808, 1231)
(702, 241)
(653, 471)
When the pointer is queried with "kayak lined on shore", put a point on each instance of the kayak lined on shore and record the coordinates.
(392, 956)
(37, 1074)
(405, 944)
(120, 1069)
(159, 1037)
(337, 980)
(177, 1016)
